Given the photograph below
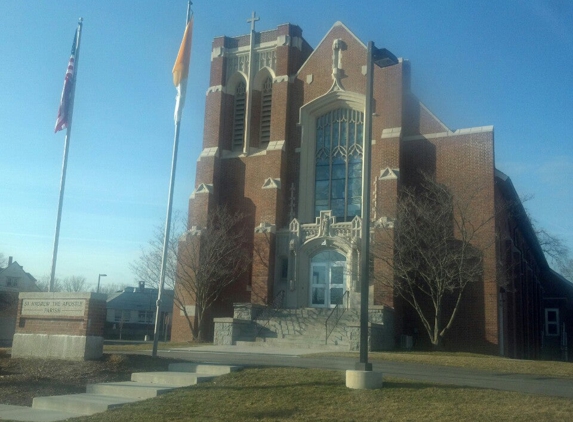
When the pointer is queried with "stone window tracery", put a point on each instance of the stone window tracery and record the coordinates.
(338, 163)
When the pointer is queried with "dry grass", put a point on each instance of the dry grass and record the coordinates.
(474, 361)
(482, 362)
(277, 394)
(137, 347)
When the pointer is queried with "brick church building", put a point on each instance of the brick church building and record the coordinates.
(283, 143)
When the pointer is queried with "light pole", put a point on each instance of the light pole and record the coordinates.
(98, 280)
(362, 377)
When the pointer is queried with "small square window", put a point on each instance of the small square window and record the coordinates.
(551, 322)
(12, 281)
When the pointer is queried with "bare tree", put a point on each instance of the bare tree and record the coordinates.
(75, 283)
(554, 247)
(44, 284)
(147, 267)
(556, 251)
(110, 288)
(566, 268)
(2, 260)
(210, 260)
(430, 256)
(7, 300)
(204, 262)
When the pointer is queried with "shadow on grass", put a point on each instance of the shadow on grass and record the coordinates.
(270, 414)
(393, 384)
(388, 384)
(265, 386)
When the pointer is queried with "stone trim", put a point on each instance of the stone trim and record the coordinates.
(216, 88)
(266, 228)
(391, 132)
(271, 183)
(459, 132)
(388, 174)
(209, 152)
(202, 188)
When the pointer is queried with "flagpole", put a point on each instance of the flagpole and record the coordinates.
(164, 258)
(65, 159)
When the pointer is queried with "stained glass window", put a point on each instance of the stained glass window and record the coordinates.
(338, 163)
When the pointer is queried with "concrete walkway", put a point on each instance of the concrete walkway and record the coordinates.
(302, 358)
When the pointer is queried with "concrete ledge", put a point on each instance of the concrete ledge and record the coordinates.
(177, 379)
(128, 389)
(200, 368)
(57, 346)
(84, 404)
(23, 413)
(363, 380)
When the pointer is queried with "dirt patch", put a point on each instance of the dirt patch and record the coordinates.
(23, 379)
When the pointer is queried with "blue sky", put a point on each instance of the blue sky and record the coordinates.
(507, 64)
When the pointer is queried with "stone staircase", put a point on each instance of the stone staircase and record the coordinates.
(101, 397)
(304, 328)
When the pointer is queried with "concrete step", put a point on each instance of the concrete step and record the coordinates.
(177, 379)
(24, 413)
(203, 369)
(129, 389)
(105, 396)
(82, 404)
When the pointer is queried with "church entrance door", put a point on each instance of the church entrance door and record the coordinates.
(327, 279)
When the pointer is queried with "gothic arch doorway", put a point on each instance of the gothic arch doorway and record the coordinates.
(327, 279)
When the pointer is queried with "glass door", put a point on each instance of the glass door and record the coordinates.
(318, 285)
(327, 279)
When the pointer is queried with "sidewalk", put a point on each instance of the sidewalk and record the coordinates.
(267, 356)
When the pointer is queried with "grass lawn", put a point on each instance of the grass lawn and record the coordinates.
(475, 361)
(136, 347)
(275, 394)
(456, 359)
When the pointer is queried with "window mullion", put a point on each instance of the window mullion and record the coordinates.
(330, 159)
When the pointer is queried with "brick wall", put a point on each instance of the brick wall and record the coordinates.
(91, 323)
(408, 139)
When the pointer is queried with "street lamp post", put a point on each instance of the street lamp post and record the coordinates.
(98, 280)
(362, 377)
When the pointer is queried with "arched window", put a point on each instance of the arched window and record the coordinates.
(239, 116)
(266, 103)
(338, 163)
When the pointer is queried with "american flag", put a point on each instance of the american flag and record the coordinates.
(65, 110)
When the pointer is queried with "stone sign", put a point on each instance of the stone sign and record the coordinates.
(59, 325)
(54, 308)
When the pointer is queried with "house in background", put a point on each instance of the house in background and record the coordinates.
(13, 280)
(131, 314)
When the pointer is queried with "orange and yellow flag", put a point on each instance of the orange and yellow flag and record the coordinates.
(181, 69)
(181, 66)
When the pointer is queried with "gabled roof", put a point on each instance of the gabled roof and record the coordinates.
(336, 25)
(16, 268)
(131, 298)
(522, 217)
